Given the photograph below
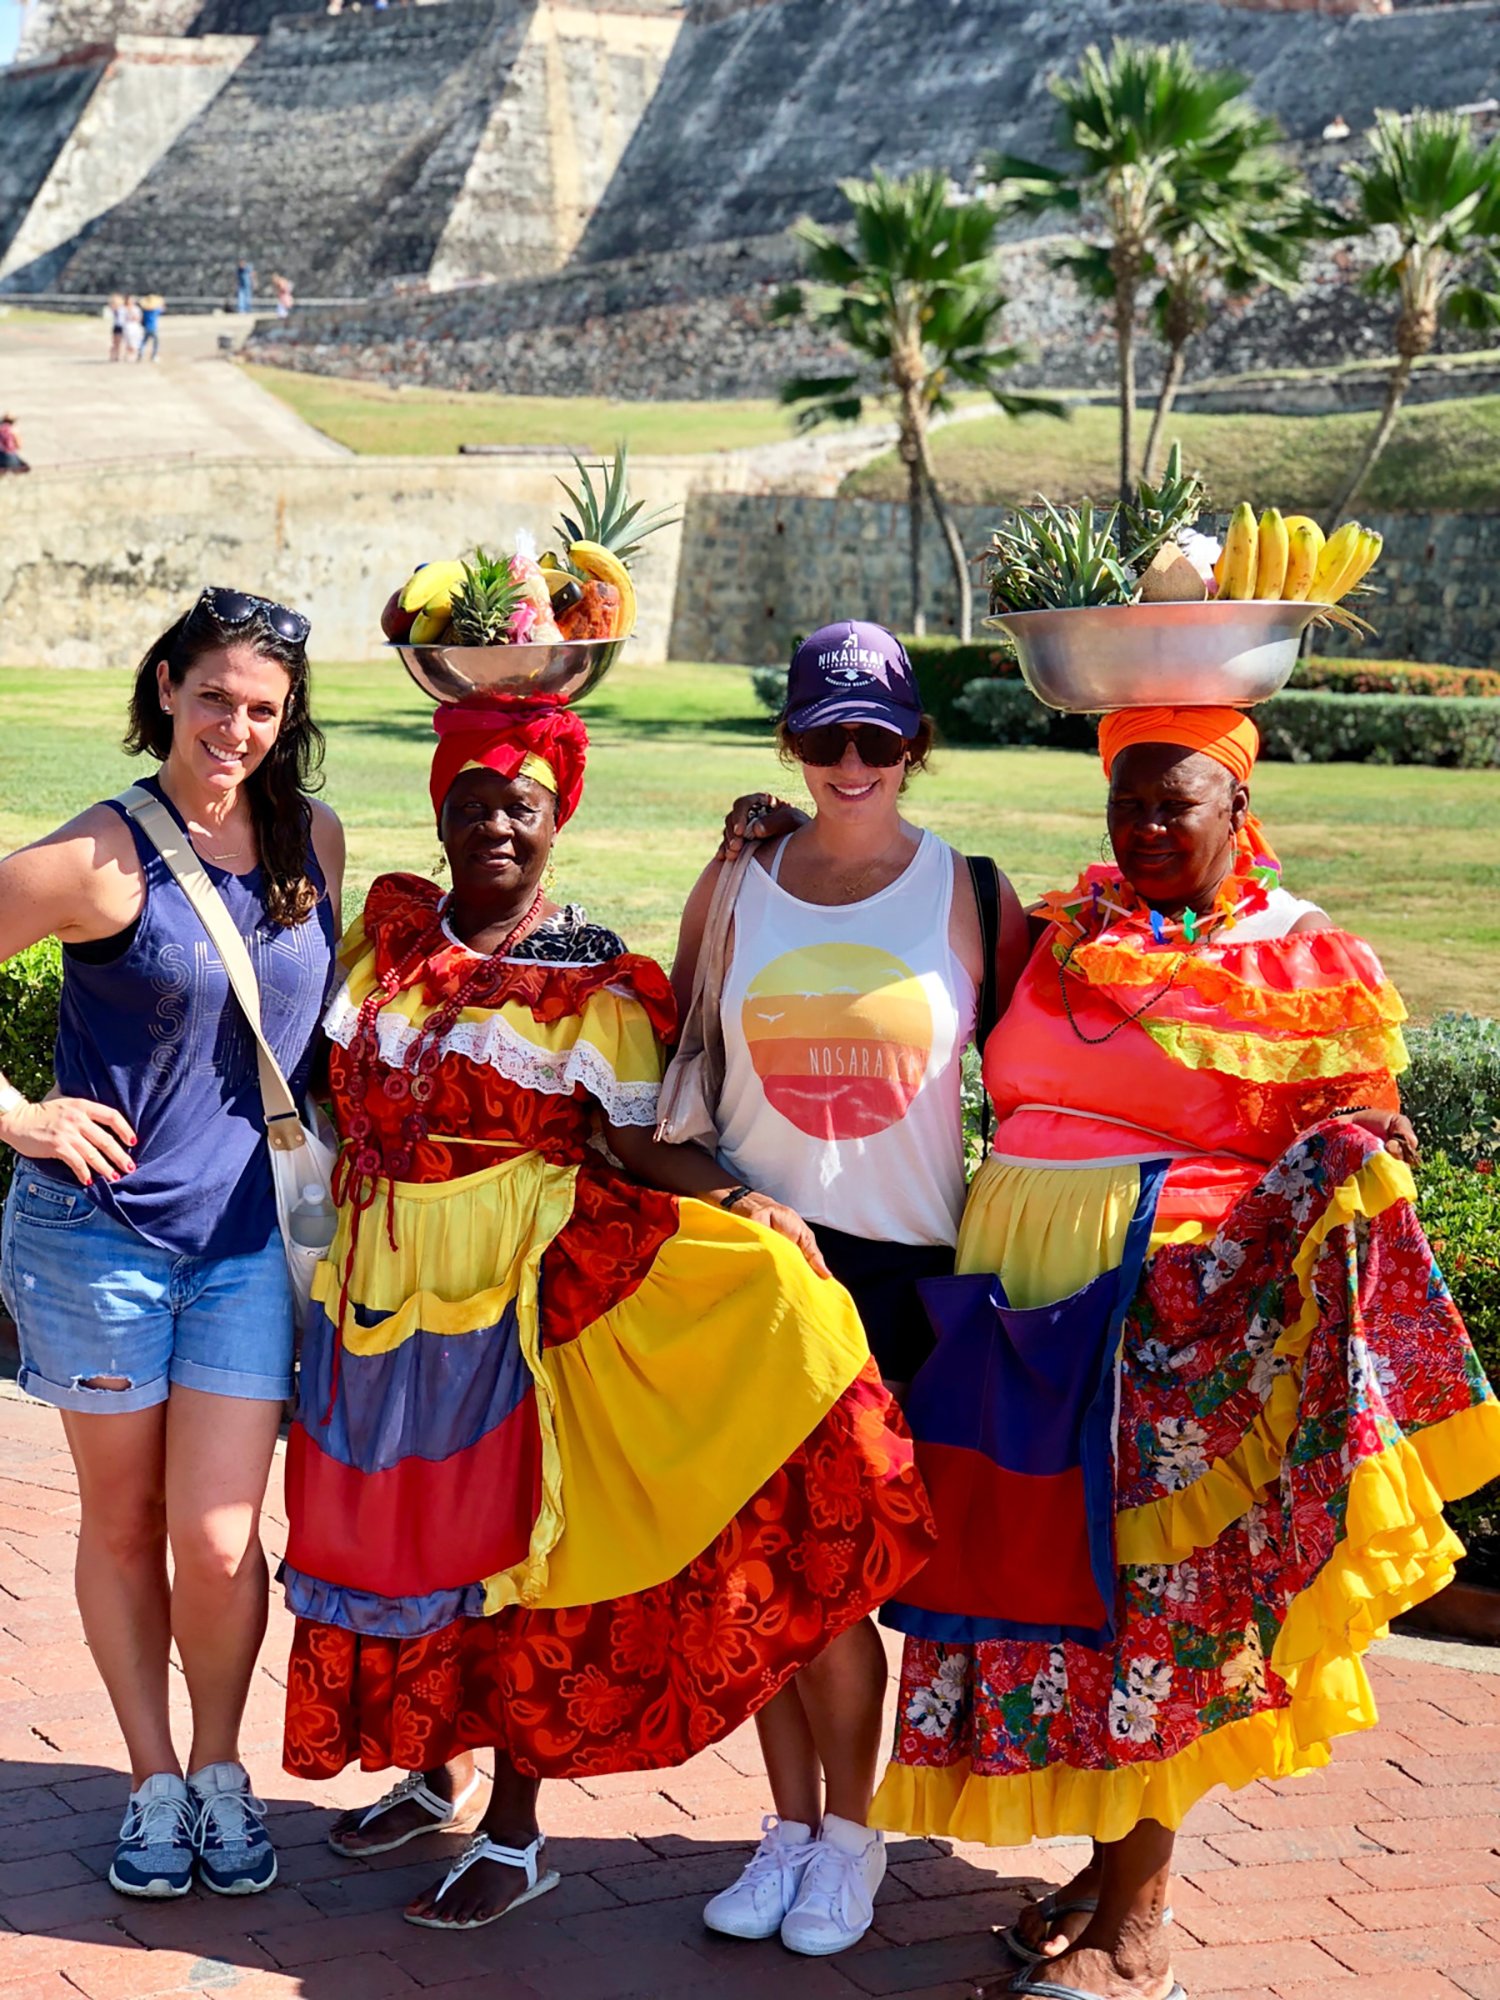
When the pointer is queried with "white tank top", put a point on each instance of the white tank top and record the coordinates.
(844, 1028)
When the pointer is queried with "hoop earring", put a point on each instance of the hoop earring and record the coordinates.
(441, 863)
(1106, 852)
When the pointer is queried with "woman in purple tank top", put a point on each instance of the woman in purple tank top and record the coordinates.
(140, 1254)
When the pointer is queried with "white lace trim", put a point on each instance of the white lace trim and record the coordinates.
(493, 1042)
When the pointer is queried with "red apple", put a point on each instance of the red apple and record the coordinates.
(394, 622)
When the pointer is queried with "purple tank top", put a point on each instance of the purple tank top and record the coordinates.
(157, 1032)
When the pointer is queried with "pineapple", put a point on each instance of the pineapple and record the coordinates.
(485, 602)
(1044, 558)
(608, 522)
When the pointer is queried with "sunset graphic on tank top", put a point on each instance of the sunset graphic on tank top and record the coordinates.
(840, 1036)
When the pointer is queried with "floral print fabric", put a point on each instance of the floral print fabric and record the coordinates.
(1268, 1376)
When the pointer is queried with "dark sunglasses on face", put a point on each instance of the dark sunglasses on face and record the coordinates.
(232, 609)
(876, 747)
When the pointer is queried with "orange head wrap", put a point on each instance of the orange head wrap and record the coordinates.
(502, 739)
(1230, 738)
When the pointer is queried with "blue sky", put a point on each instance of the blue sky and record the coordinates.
(10, 28)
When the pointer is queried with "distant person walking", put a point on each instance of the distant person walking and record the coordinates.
(284, 299)
(244, 286)
(152, 306)
(10, 447)
(115, 313)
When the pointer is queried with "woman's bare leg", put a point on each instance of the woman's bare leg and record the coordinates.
(786, 1743)
(218, 1459)
(489, 1886)
(121, 1573)
(842, 1693)
(1054, 1936)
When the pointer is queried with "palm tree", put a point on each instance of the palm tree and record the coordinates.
(1133, 126)
(915, 298)
(1228, 236)
(1438, 189)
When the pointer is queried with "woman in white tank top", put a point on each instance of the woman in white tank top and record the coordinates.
(855, 965)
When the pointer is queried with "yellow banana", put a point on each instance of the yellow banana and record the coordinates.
(1339, 553)
(1304, 544)
(1271, 553)
(1235, 569)
(431, 588)
(430, 624)
(1307, 521)
(1367, 555)
(596, 561)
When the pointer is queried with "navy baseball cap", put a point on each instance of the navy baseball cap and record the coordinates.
(852, 672)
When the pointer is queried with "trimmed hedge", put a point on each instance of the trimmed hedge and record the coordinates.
(1299, 727)
(30, 988)
(1395, 677)
(1309, 727)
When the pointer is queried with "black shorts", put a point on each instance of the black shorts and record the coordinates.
(881, 1278)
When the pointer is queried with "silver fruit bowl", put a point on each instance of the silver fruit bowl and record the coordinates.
(1100, 657)
(563, 672)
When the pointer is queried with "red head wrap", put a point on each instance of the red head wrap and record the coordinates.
(501, 739)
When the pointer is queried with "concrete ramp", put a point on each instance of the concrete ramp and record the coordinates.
(141, 95)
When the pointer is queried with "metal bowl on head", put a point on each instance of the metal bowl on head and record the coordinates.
(1095, 658)
(563, 673)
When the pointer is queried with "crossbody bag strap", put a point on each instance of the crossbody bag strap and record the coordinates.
(708, 973)
(283, 1122)
(985, 877)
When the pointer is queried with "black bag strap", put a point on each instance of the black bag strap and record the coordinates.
(986, 879)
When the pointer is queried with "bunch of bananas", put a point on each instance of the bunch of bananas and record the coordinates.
(1289, 558)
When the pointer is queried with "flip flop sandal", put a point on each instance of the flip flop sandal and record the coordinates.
(1054, 1989)
(446, 1814)
(482, 1849)
(1052, 1910)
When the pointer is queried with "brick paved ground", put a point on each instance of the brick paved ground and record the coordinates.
(1378, 1879)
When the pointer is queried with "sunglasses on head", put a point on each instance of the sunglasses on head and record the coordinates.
(876, 747)
(233, 608)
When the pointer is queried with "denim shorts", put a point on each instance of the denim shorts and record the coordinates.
(91, 1298)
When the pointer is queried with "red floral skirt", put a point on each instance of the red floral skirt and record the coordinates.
(640, 1682)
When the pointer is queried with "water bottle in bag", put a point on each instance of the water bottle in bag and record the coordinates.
(312, 1220)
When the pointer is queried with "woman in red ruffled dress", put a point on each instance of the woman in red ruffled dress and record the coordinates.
(583, 1471)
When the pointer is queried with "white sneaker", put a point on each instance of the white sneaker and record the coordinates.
(835, 1904)
(756, 1905)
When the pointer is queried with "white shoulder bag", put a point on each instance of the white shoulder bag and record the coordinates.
(302, 1154)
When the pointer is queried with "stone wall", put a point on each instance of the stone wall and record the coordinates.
(787, 564)
(761, 112)
(41, 102)
(148, 91)
(88, 575)
(335, 153)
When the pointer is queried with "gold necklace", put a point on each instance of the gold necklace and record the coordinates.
(229, 853)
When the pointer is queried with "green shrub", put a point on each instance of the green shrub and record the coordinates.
(1006, 711)
(1451, 1093)
(1413, 677)
(1461, 1214)
(30, 986)
(1305, 726)
(769, 684)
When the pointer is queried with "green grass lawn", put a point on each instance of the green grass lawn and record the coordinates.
(368, 417)
(1443, 455)
(1406, 857)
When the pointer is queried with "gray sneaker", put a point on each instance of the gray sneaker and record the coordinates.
(235, 1855)
(155, 1854)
